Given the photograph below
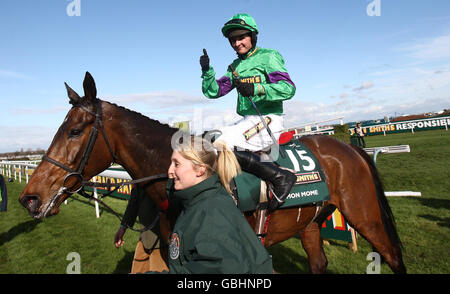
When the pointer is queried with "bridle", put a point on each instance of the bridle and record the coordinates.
(78, 172)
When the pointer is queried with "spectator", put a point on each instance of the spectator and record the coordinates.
(147, 256)
(360, 135)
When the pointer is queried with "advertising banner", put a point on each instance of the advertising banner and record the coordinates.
(182, 125)
(406, 126)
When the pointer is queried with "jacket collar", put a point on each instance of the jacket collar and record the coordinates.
(248, 54)
(189, 195)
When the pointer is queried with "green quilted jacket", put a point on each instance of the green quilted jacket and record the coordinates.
(212, 236)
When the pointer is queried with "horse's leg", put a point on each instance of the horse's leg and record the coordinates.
(375, 234)
(370, 224)
(312, 243)
(286, 223)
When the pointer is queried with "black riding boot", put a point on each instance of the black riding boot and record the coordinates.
(282, 180)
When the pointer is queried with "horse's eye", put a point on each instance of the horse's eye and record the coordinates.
(74, 133)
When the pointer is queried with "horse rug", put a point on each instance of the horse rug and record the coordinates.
(310, 187)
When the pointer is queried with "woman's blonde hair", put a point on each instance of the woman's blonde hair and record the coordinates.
(216, 157)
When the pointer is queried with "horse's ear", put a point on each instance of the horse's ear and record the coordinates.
(90, 91)
(74, 97)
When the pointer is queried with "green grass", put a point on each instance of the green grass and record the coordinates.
(423, 223)
(33, 246)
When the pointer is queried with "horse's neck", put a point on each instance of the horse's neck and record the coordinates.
(141, 145)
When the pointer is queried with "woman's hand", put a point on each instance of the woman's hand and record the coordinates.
(118, 238)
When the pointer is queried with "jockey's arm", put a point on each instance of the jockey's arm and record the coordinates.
(278, 85)
(213, 88)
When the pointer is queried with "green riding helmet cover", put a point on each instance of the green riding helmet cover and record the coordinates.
(240, 24)
(241, 21)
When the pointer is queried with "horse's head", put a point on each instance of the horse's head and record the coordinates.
(78, 151)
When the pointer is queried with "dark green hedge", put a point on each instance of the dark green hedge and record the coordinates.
(341, 133)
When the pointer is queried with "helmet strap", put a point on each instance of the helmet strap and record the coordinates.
(254, 39)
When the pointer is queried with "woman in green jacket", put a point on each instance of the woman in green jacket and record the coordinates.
(210, 236)
(260, 74)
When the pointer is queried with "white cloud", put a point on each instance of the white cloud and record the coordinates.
(15, 138)
(301, 112)
(427, 49)
(13, 74)
(364, 86)
(158, 99)
(38, 111)
(422, 84)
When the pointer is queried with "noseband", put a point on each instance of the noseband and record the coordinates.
(78, 172)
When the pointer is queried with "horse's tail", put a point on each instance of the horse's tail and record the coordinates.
(385, 210)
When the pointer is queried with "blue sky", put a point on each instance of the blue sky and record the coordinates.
(144, 55)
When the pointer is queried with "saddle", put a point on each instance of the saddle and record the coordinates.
(253, 195)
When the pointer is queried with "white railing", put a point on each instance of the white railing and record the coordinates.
(392, 149)
(388, 149)
(319, 129)
(16, 167)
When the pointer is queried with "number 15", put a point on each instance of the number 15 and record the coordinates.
(301, 153)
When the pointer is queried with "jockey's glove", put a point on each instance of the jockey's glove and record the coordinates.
(204, 61)
(246, 89)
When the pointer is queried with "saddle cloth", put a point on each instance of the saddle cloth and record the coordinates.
(311, 186)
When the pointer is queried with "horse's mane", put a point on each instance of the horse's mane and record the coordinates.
(146, 119)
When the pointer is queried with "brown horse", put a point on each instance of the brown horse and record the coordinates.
(143, 147)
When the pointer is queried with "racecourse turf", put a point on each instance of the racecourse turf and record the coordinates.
(423, 223)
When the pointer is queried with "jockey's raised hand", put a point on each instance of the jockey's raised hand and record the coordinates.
(204, 60)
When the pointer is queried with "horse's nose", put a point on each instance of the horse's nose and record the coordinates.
(31, 203)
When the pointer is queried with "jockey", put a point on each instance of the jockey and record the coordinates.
(260, 74)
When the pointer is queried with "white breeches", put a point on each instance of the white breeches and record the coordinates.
(250, 133)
